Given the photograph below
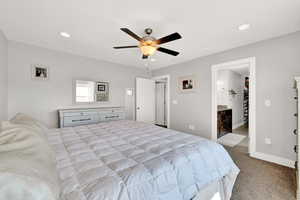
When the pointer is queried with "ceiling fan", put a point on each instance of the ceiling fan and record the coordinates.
(149, 45)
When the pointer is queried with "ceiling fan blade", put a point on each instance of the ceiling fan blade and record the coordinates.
(145, 57)
(125, 47)
(168, 38)
(132, 34)
(168, 51)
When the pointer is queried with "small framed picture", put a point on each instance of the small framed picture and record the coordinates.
(39, 72)
(102, 92)
(187, 84)
(101, 88)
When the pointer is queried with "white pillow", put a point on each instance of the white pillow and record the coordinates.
(21, 118)
(27, 165)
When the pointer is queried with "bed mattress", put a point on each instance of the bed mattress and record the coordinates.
(128, 160)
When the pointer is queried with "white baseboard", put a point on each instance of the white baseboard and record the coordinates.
(234, 126)
(274, 159)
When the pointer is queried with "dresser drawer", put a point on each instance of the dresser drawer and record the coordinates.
(84, 113)
(109, 111)
(80, 120)
(77, 117)
(112, 116)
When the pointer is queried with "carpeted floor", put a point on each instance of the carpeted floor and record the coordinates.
(260, 180)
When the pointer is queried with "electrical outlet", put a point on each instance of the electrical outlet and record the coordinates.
(191, 127)
(268, 103)
(268, 141)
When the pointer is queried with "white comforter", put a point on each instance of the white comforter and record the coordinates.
(127, 160)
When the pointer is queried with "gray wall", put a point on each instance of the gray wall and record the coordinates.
(3, 77)
(41, 99)
(278, 61)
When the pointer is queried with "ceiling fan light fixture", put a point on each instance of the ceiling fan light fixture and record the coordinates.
(149, 45)
(148, 48)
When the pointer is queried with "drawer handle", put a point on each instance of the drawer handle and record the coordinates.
(296, 114)
(296, 165)
(110, 117)
(80, 120)
(296, 148)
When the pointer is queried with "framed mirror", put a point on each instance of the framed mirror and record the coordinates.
(91, 91)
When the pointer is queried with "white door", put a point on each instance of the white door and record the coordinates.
(160, 103)
(145, 100)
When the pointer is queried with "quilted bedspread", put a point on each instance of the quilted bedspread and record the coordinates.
(128, 160)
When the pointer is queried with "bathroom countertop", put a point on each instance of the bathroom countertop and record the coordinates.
(223, 109)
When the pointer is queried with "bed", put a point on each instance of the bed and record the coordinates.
(128, 160)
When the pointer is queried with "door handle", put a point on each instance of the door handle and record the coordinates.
(295, 131)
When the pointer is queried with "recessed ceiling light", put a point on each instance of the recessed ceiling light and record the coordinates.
(65, 34)
(244, 27)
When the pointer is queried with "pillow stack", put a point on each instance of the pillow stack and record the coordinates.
(27, 162)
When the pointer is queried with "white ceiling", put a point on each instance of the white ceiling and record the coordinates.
(207, 26)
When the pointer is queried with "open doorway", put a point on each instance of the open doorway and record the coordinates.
(162, 101)
(153, 100)
(233, 106)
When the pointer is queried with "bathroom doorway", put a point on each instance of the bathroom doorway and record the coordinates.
(233, 104)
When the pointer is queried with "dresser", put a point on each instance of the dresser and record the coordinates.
(83, 116)
(296, 132)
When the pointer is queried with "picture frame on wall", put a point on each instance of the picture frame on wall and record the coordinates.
(187, 84)
(39, 72)
(102, 92)
(101, 88)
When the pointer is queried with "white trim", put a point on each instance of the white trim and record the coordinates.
(168, 95)
(234, 126)
(252, 97)
(274, 159)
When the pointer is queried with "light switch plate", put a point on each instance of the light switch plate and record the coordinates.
(175, 102)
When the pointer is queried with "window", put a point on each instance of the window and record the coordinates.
(85, 91)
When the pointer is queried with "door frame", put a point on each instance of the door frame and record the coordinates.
(167, 76)
(251, 61)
